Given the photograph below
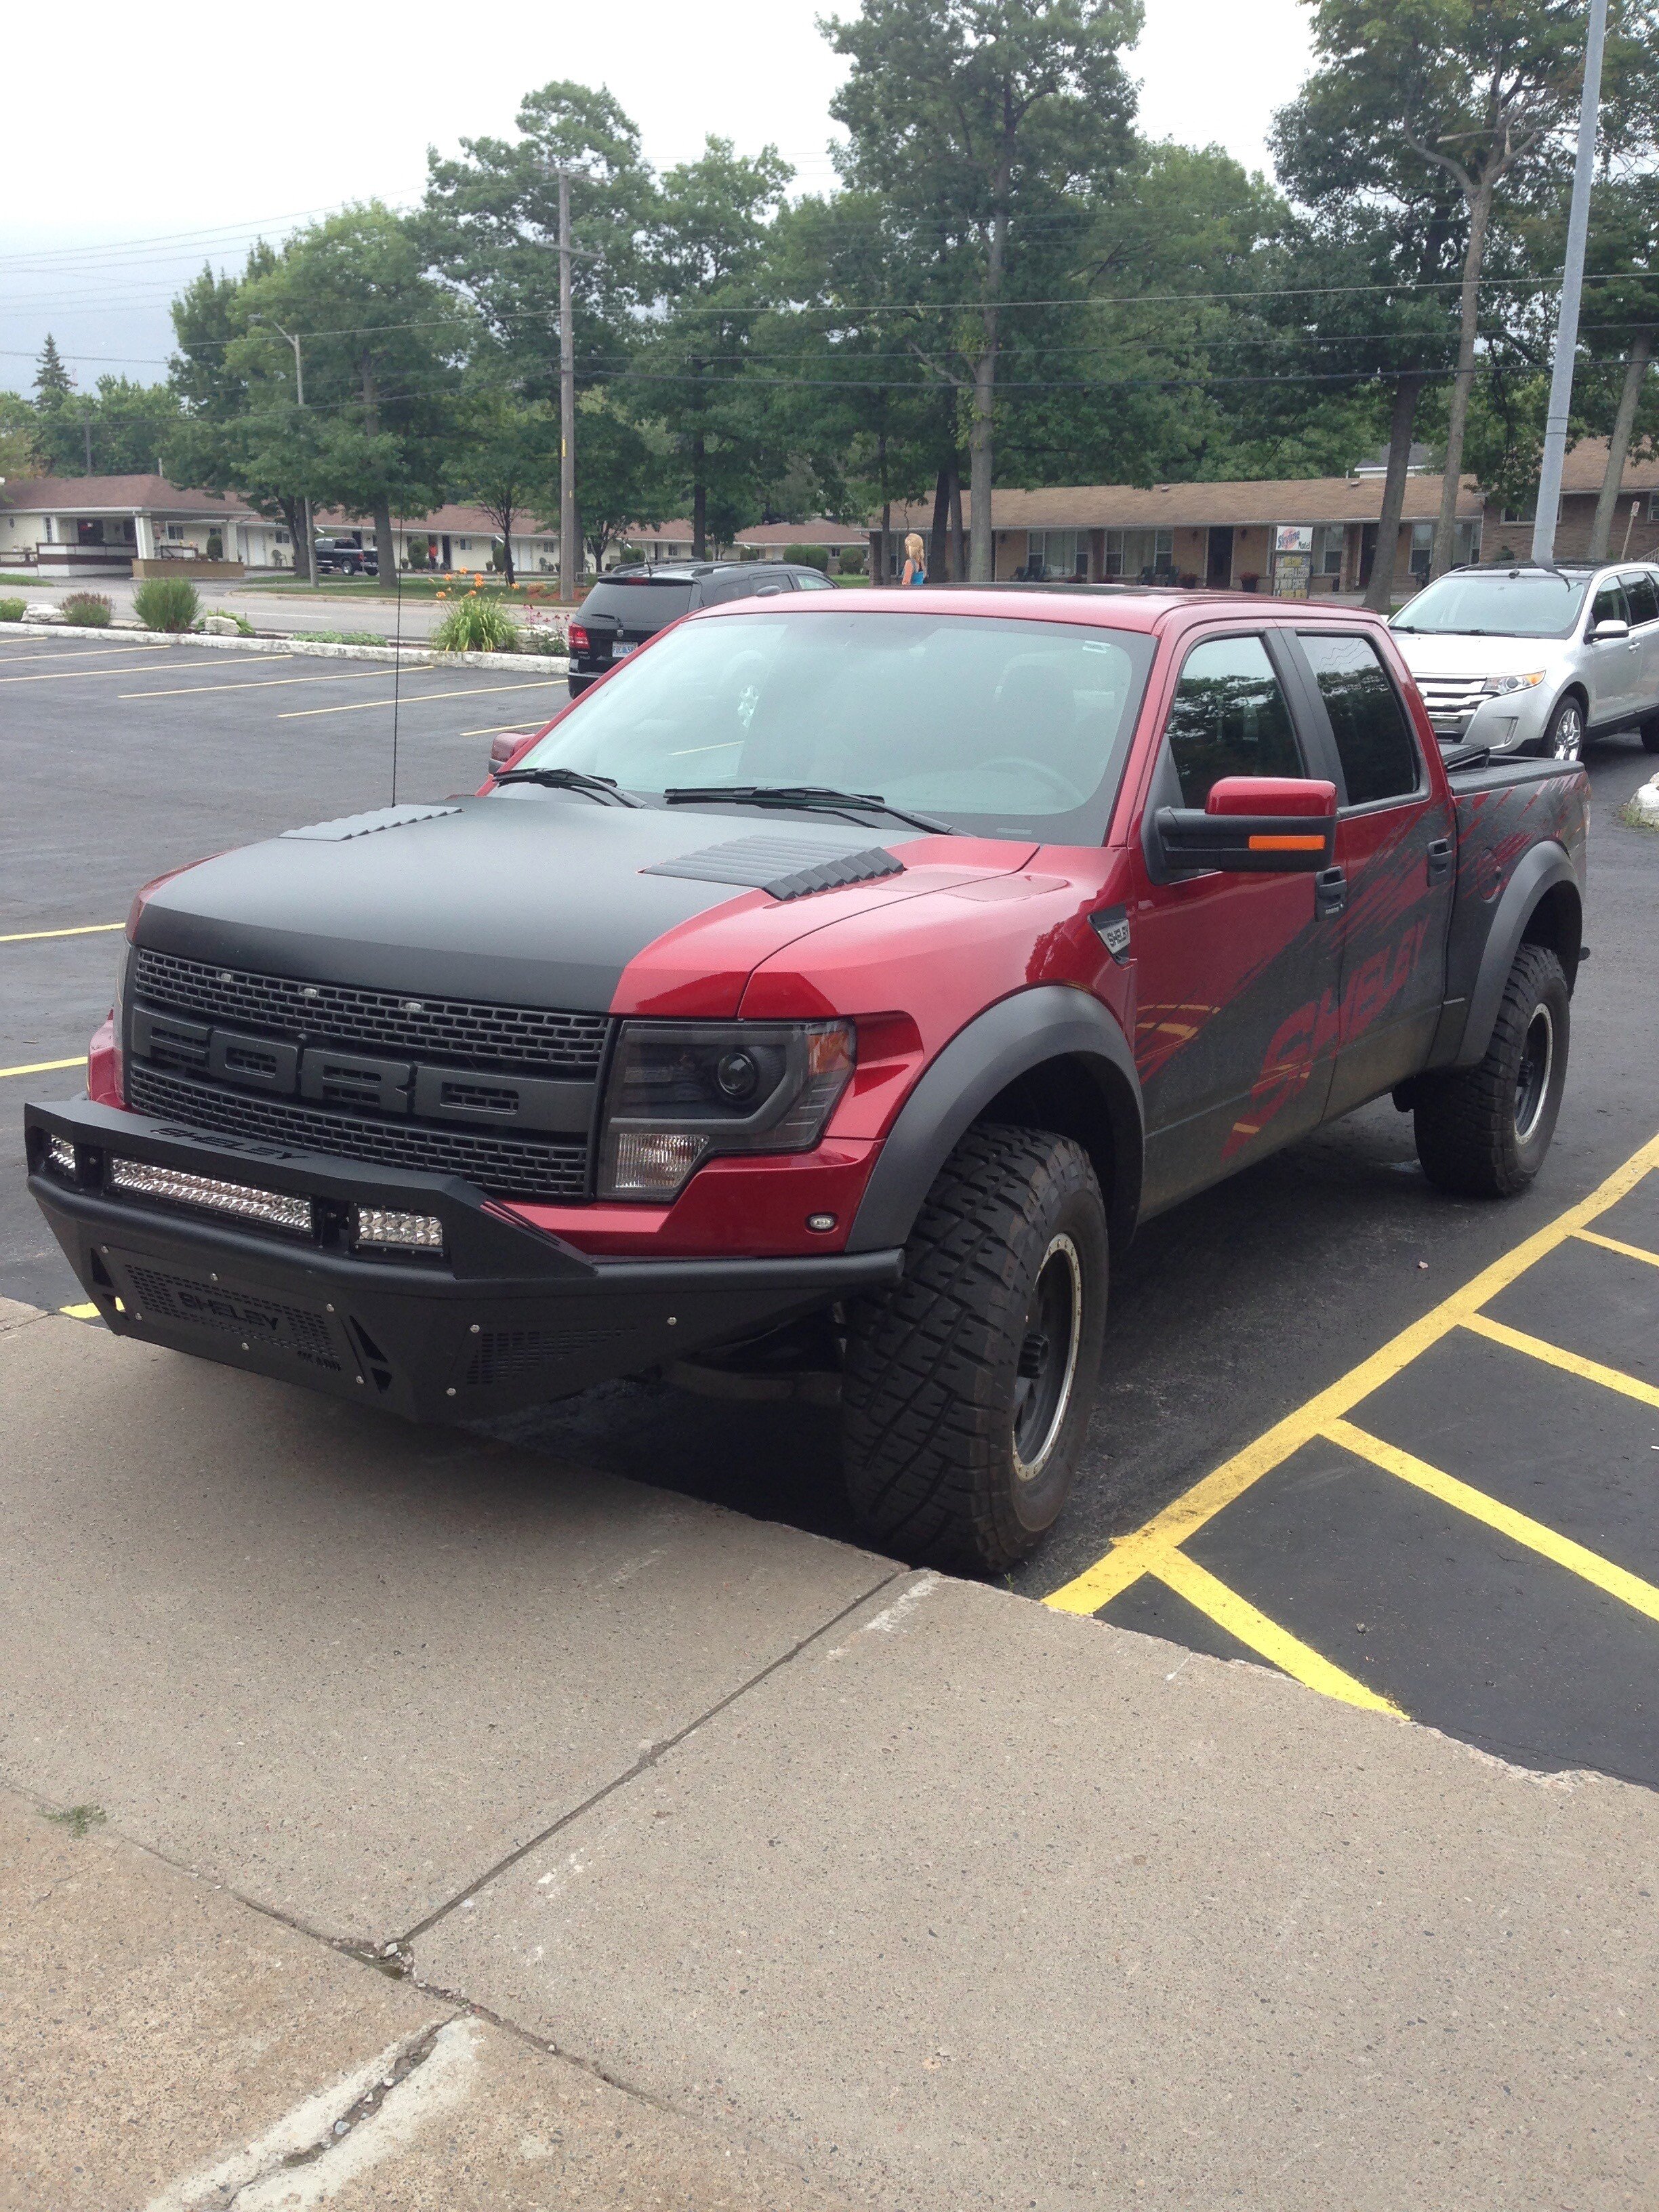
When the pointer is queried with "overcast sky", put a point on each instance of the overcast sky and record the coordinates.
(147, 143)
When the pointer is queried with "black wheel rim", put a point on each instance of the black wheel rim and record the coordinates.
(1568, 733)
(1047, 1358)
(1532, 1080)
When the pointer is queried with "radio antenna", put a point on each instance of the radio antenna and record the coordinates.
(396, 655)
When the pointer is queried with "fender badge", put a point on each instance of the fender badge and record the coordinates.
(1111, 926)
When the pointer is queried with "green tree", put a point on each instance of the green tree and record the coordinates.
(19, 438)
(1623, 312)
(506, 458)
(52, 381)
(627, 471)
(1476, 93)
(986, 126)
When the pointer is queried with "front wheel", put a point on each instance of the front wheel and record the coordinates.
(968, 1387)
(1483, 1132)
(1651, 734)
(1563, 740)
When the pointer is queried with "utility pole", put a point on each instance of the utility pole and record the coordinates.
(570, 536)
(305, 503)
(1572, 285)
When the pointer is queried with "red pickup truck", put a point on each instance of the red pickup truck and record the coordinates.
(831, 989)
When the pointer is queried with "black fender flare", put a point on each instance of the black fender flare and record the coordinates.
(1018, 1034)
(1538, 872)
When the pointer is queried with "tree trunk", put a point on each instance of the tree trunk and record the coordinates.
(1445, 528)
(385, 546)
(1379, 593)
(1635, 369)
(699, 499)
(958, 547)
(936, 537)
(293, 514)
(981, 426)
(504, 516)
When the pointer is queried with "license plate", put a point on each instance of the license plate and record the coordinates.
(620, 652)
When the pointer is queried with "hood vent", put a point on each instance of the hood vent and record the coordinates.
(360, 825)
(784, 867)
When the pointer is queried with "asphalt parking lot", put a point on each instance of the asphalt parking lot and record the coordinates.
(1403, 1448)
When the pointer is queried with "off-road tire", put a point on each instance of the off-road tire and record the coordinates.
(932, 1388)
(1479, 1133)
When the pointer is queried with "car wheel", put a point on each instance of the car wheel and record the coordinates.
(1651, 735)
(968, 1387)
(1563, 740)
(1483, 1132)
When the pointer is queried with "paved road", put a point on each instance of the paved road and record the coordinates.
(1481, 1561)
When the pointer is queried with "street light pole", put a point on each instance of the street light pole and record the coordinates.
(300, 392)
(570, 540)
(1572, 285)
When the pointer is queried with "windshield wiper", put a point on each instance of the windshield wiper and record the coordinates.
(601, 787)
(816, 798)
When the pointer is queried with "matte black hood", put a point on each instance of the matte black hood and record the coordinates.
(528, 898)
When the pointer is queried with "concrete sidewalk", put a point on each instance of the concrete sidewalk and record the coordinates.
(726, 1859)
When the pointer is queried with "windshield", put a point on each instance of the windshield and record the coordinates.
(1497, 603)
(1001, 728)
(638, 600)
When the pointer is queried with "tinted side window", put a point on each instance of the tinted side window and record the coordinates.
(717, 590)
(1609, 606)
(1229, 717)
(808, 579)
(1643, 597)
(1373, 738)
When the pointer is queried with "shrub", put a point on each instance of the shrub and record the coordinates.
(340, 637)
(244, 626)
(89, 609)
(12, 609)
(809, 556)
(854, 559)
(476, 625)
(169, 603)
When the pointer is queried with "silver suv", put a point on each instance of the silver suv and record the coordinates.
(1529, 659)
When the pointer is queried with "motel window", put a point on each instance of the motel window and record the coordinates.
(1327, 548)
(1131, 554)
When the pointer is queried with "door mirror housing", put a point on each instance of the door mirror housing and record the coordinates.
(1605, 633)
(1253, 825)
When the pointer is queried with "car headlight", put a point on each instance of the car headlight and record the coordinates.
(680, 1092)
(1495, 683)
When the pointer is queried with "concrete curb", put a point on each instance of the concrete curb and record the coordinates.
(408, 656)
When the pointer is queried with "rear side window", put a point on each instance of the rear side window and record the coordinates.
(1229, 717)
(808, 579)
(1643, 597)
(1373, 739)
(717, 590)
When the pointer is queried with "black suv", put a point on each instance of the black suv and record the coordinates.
(631, 604)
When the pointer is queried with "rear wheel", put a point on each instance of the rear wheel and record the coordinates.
(1483, 1132)
(1651, 734)
(968, 1388)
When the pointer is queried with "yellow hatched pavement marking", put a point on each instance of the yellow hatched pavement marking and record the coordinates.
(84, 929)
(1570, 1362)
(80, 1313)
(415, 698)
(1519, 1526)
(1616, 1244)
(43, 1067)
(1147, 1549)
(1241, 1620)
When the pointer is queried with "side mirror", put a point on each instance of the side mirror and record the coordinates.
(1605, 633)
(1253, 825)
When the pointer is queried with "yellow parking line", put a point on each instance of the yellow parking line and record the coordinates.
(84, 929)
(1615, 1244)
(1241, 1620)
(1149, 1547)
(1571, 1362)
(414, 698)
(80, 1313)
(1518, 1526)
(43, 1067)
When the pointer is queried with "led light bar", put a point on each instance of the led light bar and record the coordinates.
(383, 1230)
(60, 1156)
(272, 1209)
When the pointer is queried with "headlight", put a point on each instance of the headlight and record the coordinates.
(1495, 683)
(681, 1092)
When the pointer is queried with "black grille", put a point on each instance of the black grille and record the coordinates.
(509, 1167)
(506, 1355)
(275, 1324)
(531, 1039)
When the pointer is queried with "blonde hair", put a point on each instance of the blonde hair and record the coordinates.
(914, 547)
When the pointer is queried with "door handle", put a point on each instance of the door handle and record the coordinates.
(1330, 892)
(1440, 858)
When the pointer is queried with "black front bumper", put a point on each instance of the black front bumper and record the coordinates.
(507, 1317)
